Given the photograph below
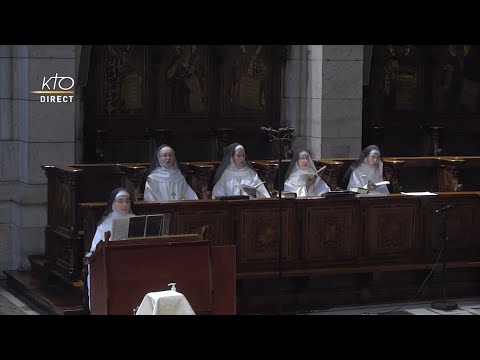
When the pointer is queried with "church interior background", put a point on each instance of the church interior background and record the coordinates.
(410, 100)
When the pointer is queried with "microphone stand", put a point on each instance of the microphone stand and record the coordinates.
(444, 304)
(280, 136)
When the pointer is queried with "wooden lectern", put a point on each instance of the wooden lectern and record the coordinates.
(123, 271)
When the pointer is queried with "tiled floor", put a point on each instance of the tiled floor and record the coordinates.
(466, 306)
(12, 305)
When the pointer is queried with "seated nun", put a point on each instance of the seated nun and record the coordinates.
(235, 176)
(118, 206)
(366, 171)
(302, 177)
(165, 181)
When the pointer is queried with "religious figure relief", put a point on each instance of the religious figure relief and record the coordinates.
(458, 87)
(400, 78)
(267, 236)
(333, 234)
(247, 83)
(131, 92)
(65, 201)
(391, 226)
(123, 81)
(186, 78)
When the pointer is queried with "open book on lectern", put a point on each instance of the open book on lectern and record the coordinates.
(141, 226)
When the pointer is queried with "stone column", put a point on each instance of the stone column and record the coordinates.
(32, 134)
(322, 98)
(342, 93)
(8, 157)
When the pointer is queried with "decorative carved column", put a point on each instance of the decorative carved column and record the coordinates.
(100, 145)
(73, 178)
(378, 134)
(160, 136)
(450, 175)
(267, 171)
(281, 148)
(205, 176)
(391, 170)
(133, 180)
(333, 173)
(221, 139)
(202, 176)
(433, 141)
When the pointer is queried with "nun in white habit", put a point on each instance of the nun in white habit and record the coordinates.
(302, 177)
(118, 206)
(165, 181)
(366, 171)
(235, 171)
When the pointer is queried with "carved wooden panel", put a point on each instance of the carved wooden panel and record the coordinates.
(64, 253)
(391, 230)
(189, 89)
(395, 88)
(419, 175)
(462, 228)
(258, 236)
(186, 79)
(244, 79)
(413, 89)
(91, 217)
(330, 234)
(63, 196)
(123, 80)
(63, 209)
(323, 235)
(192, 222)
(450, 175)
(456, 80)
(471, 174)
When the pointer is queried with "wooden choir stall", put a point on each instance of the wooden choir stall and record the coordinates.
(330, 238)
(353, 237)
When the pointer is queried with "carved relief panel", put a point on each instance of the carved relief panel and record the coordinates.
(400, 78)
(396, 83)
(191, 89)
(123, 80)
(330, 234)
(245, 75)
(462, 230)
(391, 231)
(185, 76)
(190, 222)
(456, 79)
(260, 236)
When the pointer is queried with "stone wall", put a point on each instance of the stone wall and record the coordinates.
(32, 134)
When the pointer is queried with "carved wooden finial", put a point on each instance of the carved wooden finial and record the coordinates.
(107, 237)
(204, 232)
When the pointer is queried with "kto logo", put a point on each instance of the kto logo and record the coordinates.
(58, 85)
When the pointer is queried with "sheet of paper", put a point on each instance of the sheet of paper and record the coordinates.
(120, 228)
(420, 193)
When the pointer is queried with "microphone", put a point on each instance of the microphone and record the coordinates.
(445, 208)
(268, 129)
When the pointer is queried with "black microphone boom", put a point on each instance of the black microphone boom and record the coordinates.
(268, 130)
(445, 208)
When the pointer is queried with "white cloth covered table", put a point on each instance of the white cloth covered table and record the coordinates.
(165, 303)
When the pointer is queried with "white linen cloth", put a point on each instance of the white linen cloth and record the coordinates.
(165, 303)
